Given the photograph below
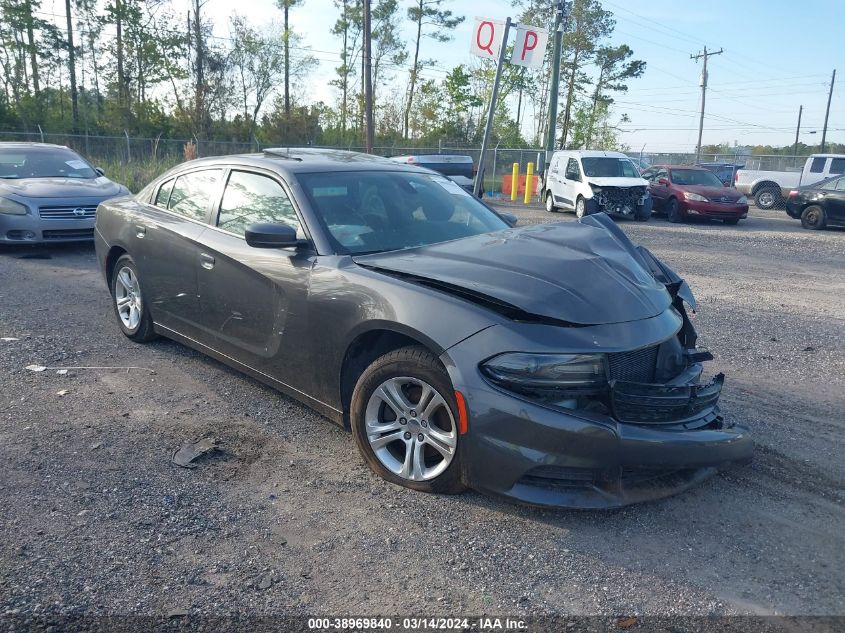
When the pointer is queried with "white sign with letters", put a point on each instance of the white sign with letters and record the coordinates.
(487, 38)
(530, 46)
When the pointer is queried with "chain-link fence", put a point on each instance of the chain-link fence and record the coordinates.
(496, 170)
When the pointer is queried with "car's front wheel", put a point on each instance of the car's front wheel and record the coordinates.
(813, 218)
(580, 207)
(129, 306)
(404, 421)
(673, 211)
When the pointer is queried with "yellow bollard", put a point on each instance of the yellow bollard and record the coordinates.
(529, 175)
(515, 181)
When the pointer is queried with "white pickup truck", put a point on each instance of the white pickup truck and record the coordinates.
(770, 188)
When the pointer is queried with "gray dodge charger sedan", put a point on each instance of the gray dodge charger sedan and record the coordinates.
(553, 364)
(49, 193)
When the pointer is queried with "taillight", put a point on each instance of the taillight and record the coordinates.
(736, 176)
(793, 193)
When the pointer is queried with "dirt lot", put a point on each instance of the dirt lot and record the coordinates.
(286, 519)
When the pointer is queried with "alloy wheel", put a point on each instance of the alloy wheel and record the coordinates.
(580, 207)
(127, 296)
(411, 429)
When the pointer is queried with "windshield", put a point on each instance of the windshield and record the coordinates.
(695, 177)
(602, 167)
(375, 211)
(43, 162)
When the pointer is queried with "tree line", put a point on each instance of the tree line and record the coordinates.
(154, 68)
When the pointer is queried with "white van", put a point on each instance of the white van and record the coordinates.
(589, 181)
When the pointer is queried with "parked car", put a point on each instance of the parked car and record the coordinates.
(770, 188)
(725, 172)
(818, 205)
(683, 191)
(523, 362)
(49, 193)
(589, 182)
(456, 167)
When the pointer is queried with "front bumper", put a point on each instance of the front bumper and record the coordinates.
(642, 209)
(26, 229)
(533, 454)
(714, 210)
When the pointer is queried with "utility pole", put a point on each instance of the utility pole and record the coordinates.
(478, 186)
(797, 131)
(705, 55)
(368, 79)
(560, 18)
(827, 112)
(71, 52)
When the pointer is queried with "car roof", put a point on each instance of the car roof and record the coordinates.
(591, 153)
(693, 167)
(290, 160)
(24, 144)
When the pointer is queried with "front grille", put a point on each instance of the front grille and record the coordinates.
(636, 366)
(68, 212)
(68, 234)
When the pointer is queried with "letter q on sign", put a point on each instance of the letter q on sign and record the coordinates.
(530, 46)
(487, 38)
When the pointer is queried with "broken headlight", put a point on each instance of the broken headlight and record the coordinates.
(548, 377)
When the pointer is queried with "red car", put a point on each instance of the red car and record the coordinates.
(683, 191)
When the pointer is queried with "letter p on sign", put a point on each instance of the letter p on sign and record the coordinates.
(530, 46)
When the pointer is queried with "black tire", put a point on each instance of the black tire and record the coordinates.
(643, 212)
(814, 218)
(141, 332)
(673, 211)
(581, 207)
(416, 363)
(731, 221)
(550, 202)
(767, 198)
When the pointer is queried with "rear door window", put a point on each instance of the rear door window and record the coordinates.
(817, 166)
(251, 198)
(163, 194)
(192, 192)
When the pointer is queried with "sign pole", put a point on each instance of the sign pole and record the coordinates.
(479, 175)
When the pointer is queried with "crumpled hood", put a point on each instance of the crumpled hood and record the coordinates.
(579, 272)
(617, 182)
(60, 187)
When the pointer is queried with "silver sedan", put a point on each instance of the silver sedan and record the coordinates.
(49, 193)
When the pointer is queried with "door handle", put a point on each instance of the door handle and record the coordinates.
(206, 261)
(140, 230)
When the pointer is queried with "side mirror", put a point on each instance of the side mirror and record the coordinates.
(100, 171)
(265, 235)
(663, 181)
(509, 218)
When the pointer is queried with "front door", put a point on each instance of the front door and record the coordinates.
(253, 300)
(571, 183)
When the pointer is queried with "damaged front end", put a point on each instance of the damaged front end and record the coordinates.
(630, 202)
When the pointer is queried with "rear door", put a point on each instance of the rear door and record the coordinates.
(253, 300)
(834, 201)
(167, 246)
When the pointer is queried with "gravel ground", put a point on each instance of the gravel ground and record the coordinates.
(285, 518)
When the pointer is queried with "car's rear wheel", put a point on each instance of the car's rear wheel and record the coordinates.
(580, 207)
(404, 421)
(766, 198)
(673, 211)
(129, 306)
(813, 218)
(550, 202)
